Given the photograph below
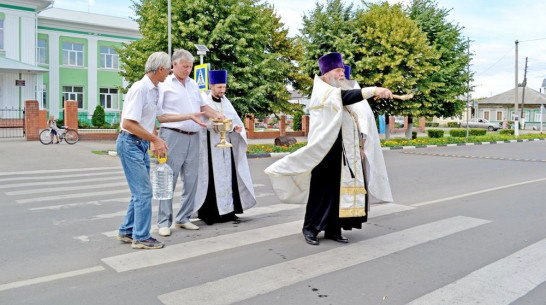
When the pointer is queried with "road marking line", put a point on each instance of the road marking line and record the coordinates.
(50, 171)
(65, 188)
(228, 290)
(58, 177)
(172, 253)
(501, 282)
(49, 278)
(477, 192)
(71, 196)
(78, 204)
(57, 182)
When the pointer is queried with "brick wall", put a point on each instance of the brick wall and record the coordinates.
(71, 114)
(32, 122)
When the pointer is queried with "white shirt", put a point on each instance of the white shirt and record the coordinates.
(179, 99)
(140, 104)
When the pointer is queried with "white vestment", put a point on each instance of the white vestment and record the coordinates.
(291, 175)
(221, 160)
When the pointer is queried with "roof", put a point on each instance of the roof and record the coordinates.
(10, 65)
(88, 23)
(543, 83)
(532, 97)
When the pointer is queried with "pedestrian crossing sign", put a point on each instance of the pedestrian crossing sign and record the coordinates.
(201, 75)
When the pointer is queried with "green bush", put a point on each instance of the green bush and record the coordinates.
(477, 132)
(457, 133)
(98, 119)
(83, 125)
(452, 124)
(506, 131)
(432, 124)
(296, 122)
(435, 133)
(414, 135)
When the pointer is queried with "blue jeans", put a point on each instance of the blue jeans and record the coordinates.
(133, 154)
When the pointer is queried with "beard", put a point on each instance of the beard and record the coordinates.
(342, 83)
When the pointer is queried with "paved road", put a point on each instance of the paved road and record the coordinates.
(467, 227)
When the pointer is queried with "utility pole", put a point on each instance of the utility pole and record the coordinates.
(523, 95)
(516, 122)
(468, 86)
(169, 25)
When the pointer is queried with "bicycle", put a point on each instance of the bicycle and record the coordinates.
(70, 135)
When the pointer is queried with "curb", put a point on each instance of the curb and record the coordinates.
(268, 155)
(459, 144)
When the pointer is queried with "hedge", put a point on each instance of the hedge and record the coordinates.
(452, 124)
(506, 131)
(461, 132)
(432, 124)
(435, 133)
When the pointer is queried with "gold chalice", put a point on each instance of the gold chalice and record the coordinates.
(222, 126)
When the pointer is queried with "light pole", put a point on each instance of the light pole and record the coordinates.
(516, 119)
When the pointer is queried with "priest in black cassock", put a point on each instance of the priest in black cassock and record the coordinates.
(328, 174)
(224, 186)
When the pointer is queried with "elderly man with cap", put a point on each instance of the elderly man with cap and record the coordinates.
(180, 94)
(328, 173)
(224, 184)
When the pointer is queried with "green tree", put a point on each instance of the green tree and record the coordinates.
(98, 117)
(446, 38)
(391, 51)
(244, 37)
(328, 28)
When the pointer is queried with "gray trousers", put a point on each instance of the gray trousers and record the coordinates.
(183, 158)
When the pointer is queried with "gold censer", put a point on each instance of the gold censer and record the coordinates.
(222, 126)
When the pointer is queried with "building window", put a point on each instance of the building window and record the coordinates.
(499, 115)
(1, 34)
(73, 54)
(109, 98)
(42, 51)
(486, 115)
(73, 93)
(109, 58)
(44, 96)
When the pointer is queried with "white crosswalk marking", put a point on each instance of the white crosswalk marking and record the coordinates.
(58, 182)
(71, 196)
(53, 171)
(500, 283)
(228, 290)
(66, 188)
(58, 177)
(172, 253)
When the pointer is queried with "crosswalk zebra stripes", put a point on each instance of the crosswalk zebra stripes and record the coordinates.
(500, 282)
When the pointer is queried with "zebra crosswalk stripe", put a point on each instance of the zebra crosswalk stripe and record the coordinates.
(264, 280)
(501, 282)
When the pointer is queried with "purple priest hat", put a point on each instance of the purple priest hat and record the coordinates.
(347, 72)
(330, 61)
(217, 77)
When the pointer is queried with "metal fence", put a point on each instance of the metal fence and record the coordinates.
(111, 119)
(12, 122)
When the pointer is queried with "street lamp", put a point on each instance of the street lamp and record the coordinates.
(201, 51)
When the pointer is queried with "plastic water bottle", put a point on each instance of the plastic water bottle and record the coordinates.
(162, 180)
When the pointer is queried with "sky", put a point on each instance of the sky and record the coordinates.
(492, 26)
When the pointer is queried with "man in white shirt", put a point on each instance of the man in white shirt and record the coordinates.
(180, 94)
(137, 134)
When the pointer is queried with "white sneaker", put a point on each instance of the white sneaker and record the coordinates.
(187, 225)
(165, 231)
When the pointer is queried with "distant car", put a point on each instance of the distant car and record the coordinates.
(481, 123)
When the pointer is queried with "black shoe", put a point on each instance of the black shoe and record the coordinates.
(236, 219)
(339, 238)
(150, 243)
(127, 238)
(310, 239)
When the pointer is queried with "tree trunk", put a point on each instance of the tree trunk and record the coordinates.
(387, 127)
(409, 128)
